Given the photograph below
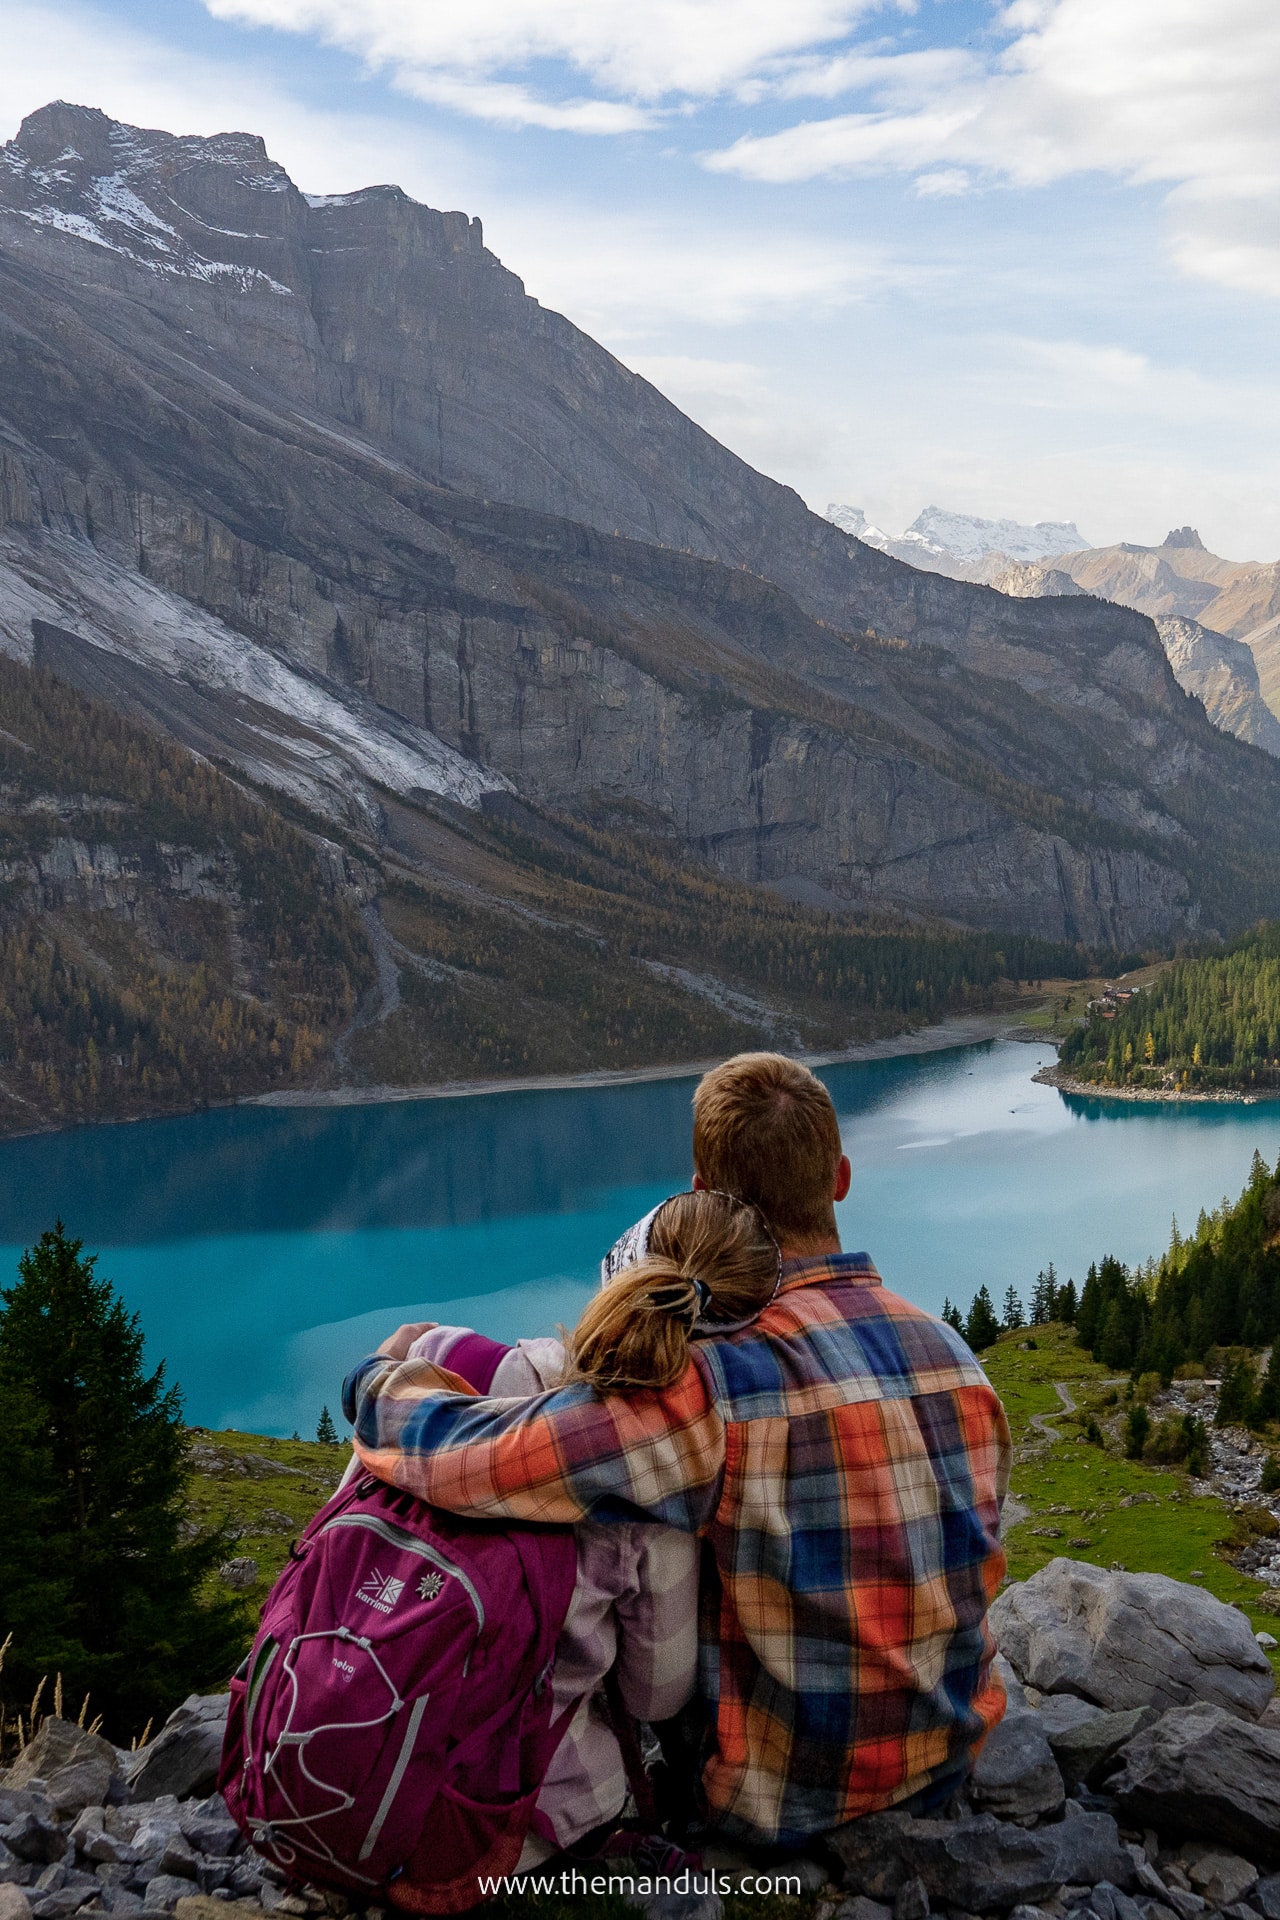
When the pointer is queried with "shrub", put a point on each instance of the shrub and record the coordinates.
(1146, 1387)
(1166, 1443)
(1238, 1394)
(1270, 1480)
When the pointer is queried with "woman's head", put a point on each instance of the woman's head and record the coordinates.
(709, 1259)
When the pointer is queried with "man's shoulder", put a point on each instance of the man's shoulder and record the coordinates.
(834, 1339)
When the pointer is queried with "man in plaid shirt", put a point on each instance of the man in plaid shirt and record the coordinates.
(843, 1458)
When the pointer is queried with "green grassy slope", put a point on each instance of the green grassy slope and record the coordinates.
(1090, 1503)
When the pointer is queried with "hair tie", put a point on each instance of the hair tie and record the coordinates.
(682, 1299)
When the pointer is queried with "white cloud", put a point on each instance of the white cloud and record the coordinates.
(642, 51)
(508, 105)
(948, 183)
(1171, 92)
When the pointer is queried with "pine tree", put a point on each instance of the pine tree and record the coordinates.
(326, 1432)
(1065, 1305)
(1014, 1317)
(982, 1329)
(1044, 1296)
(1237, 1395)
(952, 1316)
(111, 1590)
(1137, 1426)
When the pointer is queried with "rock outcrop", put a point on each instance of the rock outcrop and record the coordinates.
(1201, 1770)
(1223, 674)
(1126, 1640)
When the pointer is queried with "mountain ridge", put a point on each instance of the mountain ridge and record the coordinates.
(212, 450)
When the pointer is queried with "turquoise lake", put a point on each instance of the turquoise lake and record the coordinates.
(268, 1249)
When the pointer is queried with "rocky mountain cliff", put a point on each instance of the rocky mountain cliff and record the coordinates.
(1181, 579)
(315, 487)
(1222, 673)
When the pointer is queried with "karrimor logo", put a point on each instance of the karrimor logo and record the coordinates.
(380, 1591)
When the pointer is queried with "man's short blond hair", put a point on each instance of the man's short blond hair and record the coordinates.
(764, 1130)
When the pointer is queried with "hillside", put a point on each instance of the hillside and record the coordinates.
(1203, 1024)
(165, 940)
(313, 518)
(169, 939)
(1084, 1497)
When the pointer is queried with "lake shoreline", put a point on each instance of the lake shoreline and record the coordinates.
(964, 1030)
(1167, 1096)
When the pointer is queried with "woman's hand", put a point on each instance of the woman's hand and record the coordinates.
(397, 1346)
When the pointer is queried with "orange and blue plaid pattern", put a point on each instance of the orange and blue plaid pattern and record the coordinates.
(844, 1458)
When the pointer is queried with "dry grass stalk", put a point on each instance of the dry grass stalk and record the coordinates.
(35, 1704)
(140, 1740)
(57, 1698)
(84, 1710)
(96, 1726)
(8, 1642)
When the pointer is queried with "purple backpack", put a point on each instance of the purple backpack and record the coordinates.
(393, 1723)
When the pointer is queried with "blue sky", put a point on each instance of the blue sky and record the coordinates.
(1012, 260)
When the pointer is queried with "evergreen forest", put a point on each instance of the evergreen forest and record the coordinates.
(166, 940)
(1203, 1023)
(1209, 1299)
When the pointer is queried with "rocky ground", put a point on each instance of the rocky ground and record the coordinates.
(1136, 1776)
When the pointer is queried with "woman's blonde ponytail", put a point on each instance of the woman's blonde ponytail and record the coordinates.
(636, 1332)
(710, 1259)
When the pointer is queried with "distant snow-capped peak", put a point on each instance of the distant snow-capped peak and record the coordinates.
(963, 536)
(969, 537)
(854, 521)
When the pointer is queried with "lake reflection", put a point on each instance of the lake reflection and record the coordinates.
(267, 1248)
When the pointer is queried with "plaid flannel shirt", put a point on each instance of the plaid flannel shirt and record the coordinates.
(844, 1459)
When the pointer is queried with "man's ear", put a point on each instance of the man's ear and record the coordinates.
(844, 1178)
(699, 1184)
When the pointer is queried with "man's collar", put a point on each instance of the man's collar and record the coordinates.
(814, 1268)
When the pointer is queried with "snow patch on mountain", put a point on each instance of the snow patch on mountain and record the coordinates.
(319, 742)
(100, 194)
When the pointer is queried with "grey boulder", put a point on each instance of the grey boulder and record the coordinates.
(1085, 1750)
(1130, 1640)
(164, 1892)
(1016, 1776)
(978, 1862)
(1201, 1770)
(77, 1768)
(183, 1759)
(1222, 1878)
(1266, 1894)
(209, 1827)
